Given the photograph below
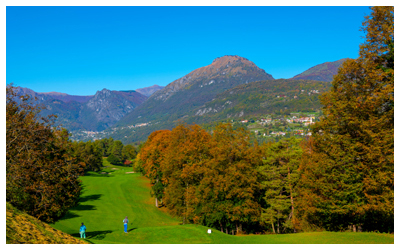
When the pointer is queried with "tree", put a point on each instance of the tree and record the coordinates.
(280, 177)
(129, 152)
(88, 155)
(149, 160)
(229, 187)
(114, 160)
(41, 172)
(183, 167)
(348, 166)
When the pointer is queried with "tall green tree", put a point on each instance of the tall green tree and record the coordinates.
(348, 170)
(280, 177)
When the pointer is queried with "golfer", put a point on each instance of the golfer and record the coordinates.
(125, 221)
(82, 231)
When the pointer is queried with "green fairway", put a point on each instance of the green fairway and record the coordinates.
(110, 196)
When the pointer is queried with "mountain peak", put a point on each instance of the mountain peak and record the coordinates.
(321, 72)
(228, 58)
(226, 70)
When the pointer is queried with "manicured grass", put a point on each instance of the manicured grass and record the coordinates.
(108, 198)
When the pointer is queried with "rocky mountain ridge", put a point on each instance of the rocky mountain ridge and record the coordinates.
(93, 113)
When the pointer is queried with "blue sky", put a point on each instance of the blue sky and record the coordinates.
(79, 50)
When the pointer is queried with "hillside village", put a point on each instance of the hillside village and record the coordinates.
(268, 126)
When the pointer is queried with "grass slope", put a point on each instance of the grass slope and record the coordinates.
(110, 196)
(22, 228)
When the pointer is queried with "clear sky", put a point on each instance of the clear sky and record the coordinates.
(79, 50)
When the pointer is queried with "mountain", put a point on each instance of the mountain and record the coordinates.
(94, 113)
(245, 101)
(67, 98)
(107, 107)
(22, 228)
(148, 91)
(282, 96)
(321, 72)
(195, 89)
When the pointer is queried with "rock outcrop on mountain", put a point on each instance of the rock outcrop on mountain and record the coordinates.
(321, 72)
(107, 107)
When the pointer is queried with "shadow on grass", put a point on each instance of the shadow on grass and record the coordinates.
(83, 207)
(129, 230)
(94, 235)
(90, 197)
(94, 174)
(69, 215)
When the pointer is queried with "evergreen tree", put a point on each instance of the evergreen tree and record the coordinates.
(280, 177)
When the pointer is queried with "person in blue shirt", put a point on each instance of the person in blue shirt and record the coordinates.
(82, 231)
(125, 221)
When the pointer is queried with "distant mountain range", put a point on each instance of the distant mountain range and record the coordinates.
(231, 86)
(93, 113)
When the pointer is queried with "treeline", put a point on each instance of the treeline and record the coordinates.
(342, 178)
(89, 154)
(223, 181)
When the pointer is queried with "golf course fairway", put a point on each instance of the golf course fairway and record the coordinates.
(116, 192)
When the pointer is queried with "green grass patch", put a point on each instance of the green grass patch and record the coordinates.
(116, 192)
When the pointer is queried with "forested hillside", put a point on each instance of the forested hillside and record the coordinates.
(262, 98)
(254, 99)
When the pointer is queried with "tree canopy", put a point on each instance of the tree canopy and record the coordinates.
(348, 167)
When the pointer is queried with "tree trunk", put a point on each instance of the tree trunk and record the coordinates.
(354, 228)
(273, 228)
(222, 229)
(156, 194)
(187, 198)
(237, 228)
(278, 224)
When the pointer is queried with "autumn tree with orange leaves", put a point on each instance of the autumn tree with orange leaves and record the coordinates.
(348, 166)
(150, 160)
(229, 190)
